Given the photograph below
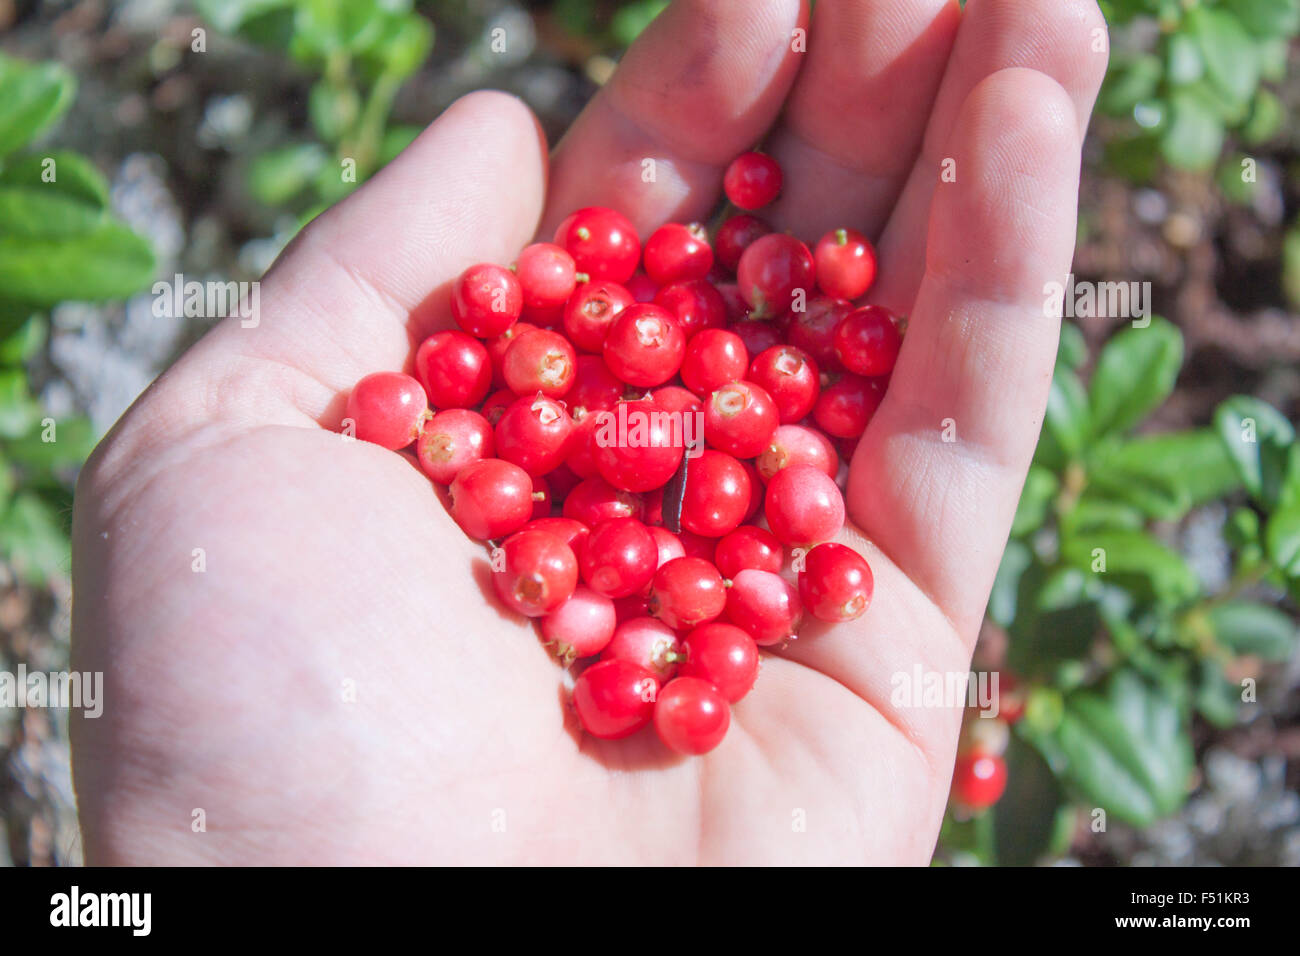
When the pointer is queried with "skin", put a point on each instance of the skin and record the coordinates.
(333, 566)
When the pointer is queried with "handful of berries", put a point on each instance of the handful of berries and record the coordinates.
(641, 432)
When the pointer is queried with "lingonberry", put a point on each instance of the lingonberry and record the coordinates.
(846, 263)
(498, 347)
(533, 433)
(582, 442)
(542, 500)
(791, 377)
(641, 287)
(590, 312)
(562, 480)
(835, 583)
(547, 274)
(713, 358)
(696, 304)
(454, 369)
(614, 698)
(491, 498)
(451, 440)
(867, 341)
(752, 180)
(691, 715)
(803, 506)
(716, 495)
(631, 607)
(978, 779)
(737, 307)
(573, 533)
(680, 403)
(772, 271)
(740, 419)
(669, 545)
(687, 592)
(540, 361)
(645, 346)
(697, 545)
(620, 557)
(813, 330)
(749, 546)
(756, 491)
(486, 300)
(677, 253)
(758, 335)
(581, 626)
(722, 655)
(387, 409)
(764, 606)
(797, 445)
(648, 643)
(845, 407)
(595, 387)
(595, 500)
(537, 572)
(496, 404)
(603, 243)
(735, 236)
(638, 446)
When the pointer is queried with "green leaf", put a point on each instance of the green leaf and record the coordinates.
(1073, 350)
(277, 176)
(70, 444)
(402, 46)
(18, 412)
(1024, 820)
(32, 97)
(1165, 475)
(1056, 620)
(1193, 138)
(1129, 81)
(110, 263)
(1216, 698)
(1257, 438)
(35, 213)
(1135, 374)
(1035, 499)
(1267, 115)
(1268, 18)
(396, 139)
(33, 538)
(632, 18)
(1184, 63)
(1093, 511)
(1231, 59)
(1126, 749)
(1244, 627)
(1135, 560)
(1282, 538)
(1016, 559)
(1067, 418)
(229, 15)
(71, 174)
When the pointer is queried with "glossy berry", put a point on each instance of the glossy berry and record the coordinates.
(496, 404)
(620, 557)
(813, 330)
(637, 446)
(764, 606)
(590, 312)
(846, 406)
(846, 263)
(758, 335)
(647, 642)
(752, 180)
(486, 300)
(451, 440)
(491, 498)
(722, 655)
(978, 779)
(740, 419)
(497, 348)
(595, 500)
(541, 361)
(756, 490)
(691, 716)
(749, 546)
(714, 358)
(678, 401)
(716, 495)
(614, 698)
(387, 409)
(867, 341)
(803, 506)
(533, 433)
(547, 274)
(580, 627)
(537, 573)
(645, 346)
(735, 236)
(797, 445)
(771, 271)
(835, 583)
(542, 500)
(573, 533)
(603, 243)
(641, 287)
(677, 253)
(791, 377)
(670, 546)
(696, 305)
(687, 592)
(454, 369)
(737, 307)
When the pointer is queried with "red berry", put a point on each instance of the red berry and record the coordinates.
(498, 347)
(573, 533)
(740, 419)
(764, 605)
(813, 330)
(835, 583)
(677, 253)
(595, 388)
(387, 409)
(722, 655)
(752, 180)
(645, 346)
(646, 642)
(641, 287)
(595, 500)
(759, 335)
(772, 271)
(791, 377)
(580, 627)
(679, 402)
(486, 300)
(638, 446)
(582, 441)
(496, 405)
(603, 243)
(454, 369)
(756, 491)
(491, 498)
(735, 236)
(620, 557)
(846, 263)
(797, 445)
(803, 506)
(713, 358)
(691, 716)
(590, 312)
(614, 698)
(716, 495)
(547, 274)
(749, 546)
(669, 545)
(631, 607)
(978, 779)
(541, 497)
(687, 592)
(696, 304)
(534, 434)
(537, 573)
(844, 408)
(867, 341)
(451, 440)
(540, 361)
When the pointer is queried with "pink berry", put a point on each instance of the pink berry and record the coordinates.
(534, 434)
(614, 698)
(387, 409)
(590, 312)
(538, 573)
(803, 506)
(748, 546)
(791, 377)
(647, 643)
(678, 401)
(845, 407)
(677, 253)
(638, 446)
(454, 369)
(716, 496)
(772, 271)
(836, 583)
(797, 445)
(497, 348)
(669, 545)
(740, 419)
(764, 606)
(867, 341)
(691, 716)
(573, 533)
(451, 440)
(595, 500)
(491, 498)
(547, 274)
(687, 592)
(722, 655)
(735, 236)
(580, 627)
(696, 305)
(752, 180)
(846, 263)
(645, 346)
(813, 330)
(713, 358)
(620, 557)
(496, 404)
(603, 243)
(486, 300)
(540, 361)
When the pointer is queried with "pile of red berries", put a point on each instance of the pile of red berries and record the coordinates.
(642, 431)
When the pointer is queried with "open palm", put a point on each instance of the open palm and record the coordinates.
(334, 686)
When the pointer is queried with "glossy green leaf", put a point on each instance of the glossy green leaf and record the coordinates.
(110, 263)
(1282, 537)
(33, 539)
(229, 15)
(1055, 620)
(32, 97)
(70, 174)
(1193, 138)
(1067, 416)
(1135, 374)
(1245, 627)
(1257, 438)
(1133, 559)
(1035, 500)
(277, 176)
(1268, 18)
(1024, 820)
(1003, 599)
(1215, 697)
(1165, 475)
(36, 213)
(1231, 58)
